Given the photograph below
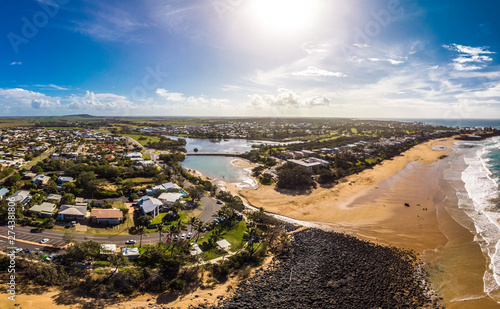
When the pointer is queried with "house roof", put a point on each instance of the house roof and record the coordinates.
(44, 208)
(170, 197)
(167, 186)
(106, 213)
(20, 195)
(73, 210)
(108, 249)
(3, 191)
(54, 197)
(148, 204)
(130, 252)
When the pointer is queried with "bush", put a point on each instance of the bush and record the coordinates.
(177, 284)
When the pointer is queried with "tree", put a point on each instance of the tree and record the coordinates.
(161, 228)
(144, 220)
(85, 250)
(68, 199)
(195, 150)
(266, 178)
(176, 207)
(12, 180)
(292, 176)
(51, 187)
(195, 194)
(141, 230)
(69, 236)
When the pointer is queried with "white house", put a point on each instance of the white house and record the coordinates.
(169, 198)
(150, 206)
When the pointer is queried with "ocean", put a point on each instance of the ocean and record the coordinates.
(457, 122)
(474, 172)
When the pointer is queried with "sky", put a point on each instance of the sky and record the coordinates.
(278, 58)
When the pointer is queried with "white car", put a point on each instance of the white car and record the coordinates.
(16, 251)
(44, 241)
(130, 242)
(189, 235)
(183, 236)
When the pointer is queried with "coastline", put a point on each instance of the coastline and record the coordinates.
(370, 205)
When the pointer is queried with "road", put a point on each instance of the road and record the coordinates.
(26, 239)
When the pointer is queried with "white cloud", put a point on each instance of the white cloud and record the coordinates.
(16, 63)
(17, 100)
(170, 96)
(310, 48)
(470, 58)
(313, 71)
(99, 101)
(51, 87)
(286, 99)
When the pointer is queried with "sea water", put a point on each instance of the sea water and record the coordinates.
(480, 174)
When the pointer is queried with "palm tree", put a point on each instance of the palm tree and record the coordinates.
(193, 221)
(161, 228)
(141, 230)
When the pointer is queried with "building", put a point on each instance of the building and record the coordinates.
(169, 198)
(29, 175)
(21, 196)
(64, 179)
(106, 216)
(108, 249)
(44, 210)
(3, 192)
(72, 212)
(54, 198)
(168, 186)
(41, 180)
(133, 155)
(131, 253)
(309, 164)
(150, 206)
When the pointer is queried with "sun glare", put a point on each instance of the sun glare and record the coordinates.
(282, 16)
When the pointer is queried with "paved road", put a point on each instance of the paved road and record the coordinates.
(210, 207)
(30, 240)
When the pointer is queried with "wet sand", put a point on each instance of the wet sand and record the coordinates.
(371, 205)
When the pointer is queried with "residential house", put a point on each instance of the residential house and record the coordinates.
(106, 216)
(41, 180)
(169, 198)
(3, 192)
(108, 249)
(133, 155)
(150, 206)
(64, 179)
(21, 196)
(54, 198)
(72, 212)
(131, 253)
(29, 175)
(44, 210)
(168, 186)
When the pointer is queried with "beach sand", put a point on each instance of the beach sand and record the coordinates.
(370, 205)
(243, 163)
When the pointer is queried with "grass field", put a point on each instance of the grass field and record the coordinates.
(143, 142)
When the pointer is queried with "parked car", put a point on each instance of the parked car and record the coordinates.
(183, 236)
(51, 257)
(189, 235)
(219, 202)
(16, 251)
(44, 241)
(169, 238)
(176, 238)
(36, 230)
(130, 242)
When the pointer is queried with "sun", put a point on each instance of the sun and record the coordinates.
(283, 16)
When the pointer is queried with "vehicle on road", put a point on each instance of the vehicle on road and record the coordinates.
(219, 202)
(16, 251)
(183, 236)
(51, 257)
(189, 235)
(130, 242)
(44, 241)
(176, 238)
(36, 230)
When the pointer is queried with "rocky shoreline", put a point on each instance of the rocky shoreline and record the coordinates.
(333, 270)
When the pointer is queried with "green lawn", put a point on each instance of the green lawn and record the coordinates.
(143, 142)
(234, 236)
(158, 219)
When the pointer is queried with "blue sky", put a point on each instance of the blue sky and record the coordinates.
(321, 58)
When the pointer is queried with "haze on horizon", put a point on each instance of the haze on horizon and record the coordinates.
(311, 58)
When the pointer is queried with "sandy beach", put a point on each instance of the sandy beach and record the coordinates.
(371, 205)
